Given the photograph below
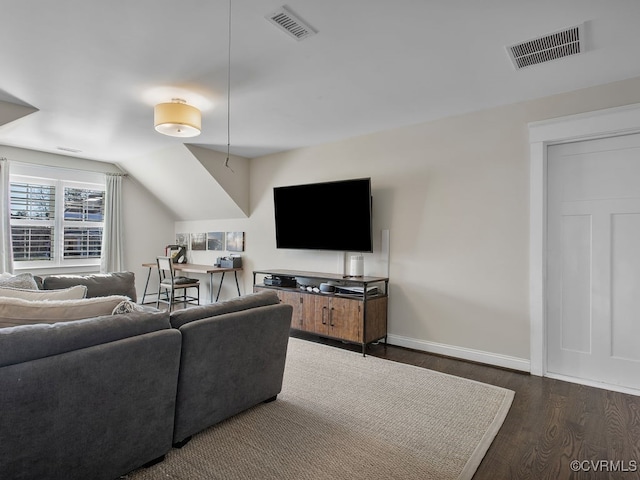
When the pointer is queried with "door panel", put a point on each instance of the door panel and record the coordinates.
(593, 260)
(576, 288)
(625, 276)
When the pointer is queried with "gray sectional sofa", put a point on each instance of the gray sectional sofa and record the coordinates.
(99, 397)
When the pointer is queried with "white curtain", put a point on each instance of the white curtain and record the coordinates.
(112, 251)
(6, 253)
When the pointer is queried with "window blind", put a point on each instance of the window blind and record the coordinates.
(32, 202)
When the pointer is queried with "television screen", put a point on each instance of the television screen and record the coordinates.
(325, 216)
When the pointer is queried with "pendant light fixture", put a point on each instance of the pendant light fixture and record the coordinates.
(177, 119)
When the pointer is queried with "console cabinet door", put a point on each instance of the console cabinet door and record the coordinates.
(345, 319)
(338, 317)
(293, 299)
(307, 312)
(330, 316)
(322, 314)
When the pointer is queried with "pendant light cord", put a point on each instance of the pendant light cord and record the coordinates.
(226, 163)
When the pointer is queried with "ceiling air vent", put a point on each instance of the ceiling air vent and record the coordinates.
(290, 24)
(549, 47)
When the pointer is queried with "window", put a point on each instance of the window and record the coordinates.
(83, 221)
(32, 217)
(32, 243)
(55, 222)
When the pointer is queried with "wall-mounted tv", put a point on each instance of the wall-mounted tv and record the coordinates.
(325, 216)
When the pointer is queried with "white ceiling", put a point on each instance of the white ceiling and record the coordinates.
(94, 69)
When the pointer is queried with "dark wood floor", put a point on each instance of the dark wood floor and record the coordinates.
(550, 424)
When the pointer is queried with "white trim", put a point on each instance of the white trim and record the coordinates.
(600, 123)
(537, 255)
(592, 383)
(495, 359)
(585, 126)
(47, 172)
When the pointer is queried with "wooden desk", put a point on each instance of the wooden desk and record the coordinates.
(195, 268)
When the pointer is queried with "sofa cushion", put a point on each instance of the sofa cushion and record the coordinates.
(23, 280)
(251, 300)
(17, 311)
(98, 285)
(28, 342)
(72, 293)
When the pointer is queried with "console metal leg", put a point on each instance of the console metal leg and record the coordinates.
(237, 285)
(220, 286)
(144, 293)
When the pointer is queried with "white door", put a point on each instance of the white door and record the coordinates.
(593, 260)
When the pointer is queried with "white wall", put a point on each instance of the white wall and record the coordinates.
(454, 195)
(148, 229)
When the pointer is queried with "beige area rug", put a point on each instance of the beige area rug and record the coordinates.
(344, 416)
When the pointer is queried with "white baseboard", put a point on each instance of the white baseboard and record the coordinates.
(479, 356)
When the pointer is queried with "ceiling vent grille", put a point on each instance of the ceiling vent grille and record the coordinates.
(549, 47)
(289, 23)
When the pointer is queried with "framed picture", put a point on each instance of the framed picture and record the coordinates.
(182, 239)
(215, 241)
(235, 241)
(198, 241)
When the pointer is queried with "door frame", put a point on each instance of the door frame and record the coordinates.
(605, 123)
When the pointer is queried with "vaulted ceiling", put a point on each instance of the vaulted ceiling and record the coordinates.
(81, 77)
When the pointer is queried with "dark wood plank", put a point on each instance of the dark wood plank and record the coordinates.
(550, 424)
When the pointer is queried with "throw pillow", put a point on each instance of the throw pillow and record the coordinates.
(17, 311)
(23, 280)
(127, 306)
(72, 293)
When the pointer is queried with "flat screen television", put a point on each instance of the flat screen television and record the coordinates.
(325, 216)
